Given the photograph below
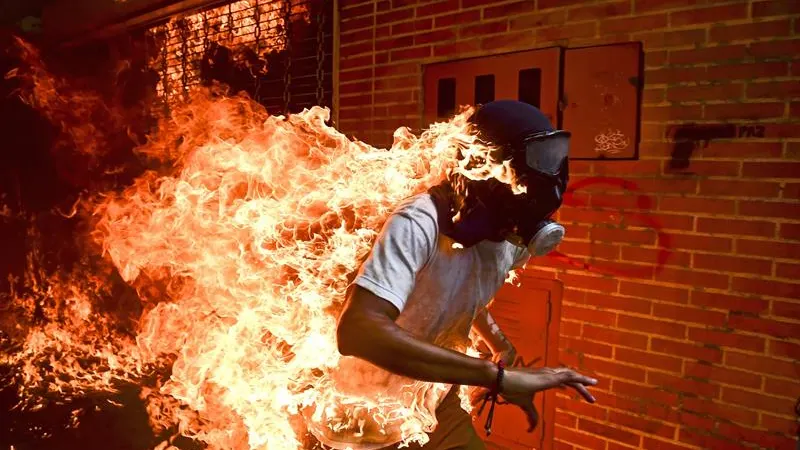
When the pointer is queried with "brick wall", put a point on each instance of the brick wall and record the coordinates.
(689, 308)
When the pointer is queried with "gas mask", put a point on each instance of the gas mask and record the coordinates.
(539, 158)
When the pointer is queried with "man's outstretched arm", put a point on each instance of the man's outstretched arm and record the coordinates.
(367, 330)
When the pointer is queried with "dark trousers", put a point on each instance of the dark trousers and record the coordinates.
(455, 430)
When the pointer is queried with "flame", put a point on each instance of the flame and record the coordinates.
(239, 249)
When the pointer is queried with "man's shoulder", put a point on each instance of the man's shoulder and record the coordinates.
(421, 210)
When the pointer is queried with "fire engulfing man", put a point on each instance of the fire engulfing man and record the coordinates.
(440, 259)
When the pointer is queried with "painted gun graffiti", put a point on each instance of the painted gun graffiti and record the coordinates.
(690, 137)
(643, 202)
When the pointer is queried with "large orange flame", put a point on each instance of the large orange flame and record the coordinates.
(241, 248)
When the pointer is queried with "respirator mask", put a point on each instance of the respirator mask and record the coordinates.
(541, 164)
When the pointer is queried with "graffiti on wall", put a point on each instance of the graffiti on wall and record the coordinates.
(691, 137)
(643, 203)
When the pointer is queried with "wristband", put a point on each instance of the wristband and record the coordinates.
(493, 395)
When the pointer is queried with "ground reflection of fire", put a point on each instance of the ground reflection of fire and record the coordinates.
(238, 247)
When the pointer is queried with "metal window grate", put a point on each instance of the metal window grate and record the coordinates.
(280, 52)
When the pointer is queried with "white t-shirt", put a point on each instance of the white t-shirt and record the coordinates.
(438, 289)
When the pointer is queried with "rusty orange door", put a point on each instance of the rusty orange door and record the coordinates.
(530, 76)
(529, 316)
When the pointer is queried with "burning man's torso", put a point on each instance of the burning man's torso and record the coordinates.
(448, 292)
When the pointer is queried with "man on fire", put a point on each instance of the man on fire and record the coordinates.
(440, 259)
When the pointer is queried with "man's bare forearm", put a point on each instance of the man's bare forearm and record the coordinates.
(371, 334)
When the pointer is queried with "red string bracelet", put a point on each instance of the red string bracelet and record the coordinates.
(493, 395)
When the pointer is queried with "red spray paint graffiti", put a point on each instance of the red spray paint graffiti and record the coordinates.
(643, 202)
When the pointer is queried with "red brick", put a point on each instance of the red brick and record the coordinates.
(707, 441)
(775, 8)
(508, 41)
(357, 36)
(666, 39)
(661, 293)
(790, 231)
(706, 168)
(618, 303)
(764, 439)
(411, 53)
(767, 287)
(584, 347)
(566, 420)
(655, 5)
(671, 112)
(592, 249)
(632, 24)
(645, 425)
(782, 388)
(767, 248)
(756, 400)
(729, 302)
(569, 31)
(731, 188)
(697, 205)
(693, 278)
(651, 326)
(762, 364)
(589, 282)
(646, 393)
(709, 14)
(697, 242)
(723, 375)
(623, 201)
(793, 149)
(430, 9)
(483, 28)
(730, 149)
(655, 58)
(358, 61)
(509, 9)
(659, 221)
(583, 440)
(538, 19)
(457, 18)
(597, 12)
(686, 350)
(783, 169)
(779, 425)
(457, 48)
(474, 3)
(623, 235)
(791, 190)
(727, 339)
(769, 327)
(780, 90)
(655, 444)
(756, 208)
(653, 95)
(382, 84)
(615, 337)
(355, 24)
(671, 75)
(609, 432)
(747, 71)
(784, 349)
(355, 49)
(683, 385)
(689, 314)
(708, 54)
(732, 264)
(786, 309)
(588, 315)
(581, 408)
(775, 49)
(393, 97)
(394, 43)
(397, 69)
(649, 360)
(545, 4)
(410, 27)
(723, 411)
(744, 111)
(434, 37)
(753, 30)
(395, 15)
(733, 226)
(602, 368)
(787, 270)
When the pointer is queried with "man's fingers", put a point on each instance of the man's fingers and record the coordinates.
(583, 391)
(533, 416)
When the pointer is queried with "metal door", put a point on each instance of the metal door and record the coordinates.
(530, 317)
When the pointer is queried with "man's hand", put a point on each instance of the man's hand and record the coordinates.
(519, 386)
